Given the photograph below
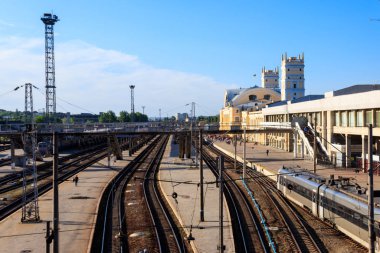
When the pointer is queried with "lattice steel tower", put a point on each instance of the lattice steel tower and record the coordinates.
(49, 20)
(132, 102)
(30, 209)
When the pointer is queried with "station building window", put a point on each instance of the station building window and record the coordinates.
(359, 119)
(344, 119)
(252, 97)
(368, 117)
(319, 121)
(351, 116)
(377, 118)
(294, 85)
(337, 119)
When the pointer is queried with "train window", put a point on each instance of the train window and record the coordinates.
(365, 221)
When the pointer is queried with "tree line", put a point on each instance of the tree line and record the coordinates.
(124, 116)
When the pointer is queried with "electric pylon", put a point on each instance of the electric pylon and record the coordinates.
(30, 209)
(49, 20)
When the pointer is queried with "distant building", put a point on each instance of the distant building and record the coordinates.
(181, 117)
(237, 101)
(292, 77)
(269, 78)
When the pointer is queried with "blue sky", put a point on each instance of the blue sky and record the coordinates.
(176, 52)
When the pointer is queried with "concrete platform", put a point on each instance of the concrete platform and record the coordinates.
(187, 207)
(78, 210)
(271, 163)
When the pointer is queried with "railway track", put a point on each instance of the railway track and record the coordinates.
(14, 199)
(249, 236)
(16, 176)
(302, 239)
(134, 216)
(298, 230)
(5, 161)
(295, 237)
(14, 180)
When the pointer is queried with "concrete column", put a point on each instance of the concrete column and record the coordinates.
(302, 149)
(295, 151)
(348, 151)
(364, 150)
(13, 150)
(188, 146)
(329, 129)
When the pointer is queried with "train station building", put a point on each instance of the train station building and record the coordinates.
(339, 118)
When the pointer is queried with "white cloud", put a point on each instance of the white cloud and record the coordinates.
(98, 80)
(5, 24)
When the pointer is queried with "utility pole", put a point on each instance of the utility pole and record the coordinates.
(159, 111)
(49, 20)
(202, 216)
(220, 167)
(235, 144)
(109, 151)
(244, 153)
(371, 213)
(132, 102)
(55, 195)
(143, 107)
(30, 209)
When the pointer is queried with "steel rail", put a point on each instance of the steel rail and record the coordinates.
(153, 210)
(269, 184)
(117, 184)
(264, 183)
(233, 202)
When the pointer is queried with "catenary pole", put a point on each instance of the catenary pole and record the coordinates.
(55, 195)
(371, 215)
(220, 167)
(202, 215)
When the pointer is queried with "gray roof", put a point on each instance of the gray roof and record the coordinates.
(278, 103)
(357, 89)
(307, 98)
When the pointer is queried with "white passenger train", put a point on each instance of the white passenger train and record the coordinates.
(348, 213)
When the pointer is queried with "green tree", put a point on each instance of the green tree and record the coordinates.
(139, 117)
(124, 116)
(107, 117)
(40, 119)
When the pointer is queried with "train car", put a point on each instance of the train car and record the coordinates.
(347, 212)
(297, 187)
(43, 148)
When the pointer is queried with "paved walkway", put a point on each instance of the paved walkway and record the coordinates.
(271, 163)
(187, 208)
(78, 210)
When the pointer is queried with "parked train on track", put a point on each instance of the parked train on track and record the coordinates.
(347, 212)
